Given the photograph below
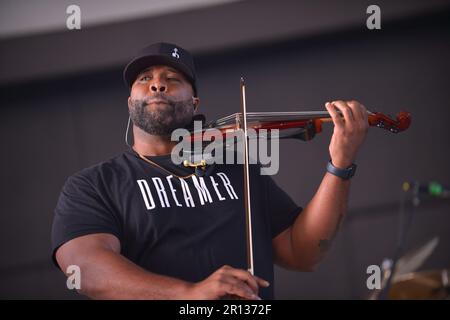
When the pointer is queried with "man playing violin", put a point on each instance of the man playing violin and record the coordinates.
(140, 227)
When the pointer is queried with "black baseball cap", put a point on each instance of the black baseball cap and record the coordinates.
(164, 54)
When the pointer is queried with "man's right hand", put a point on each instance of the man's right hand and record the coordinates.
(106, 274)
(228, 282)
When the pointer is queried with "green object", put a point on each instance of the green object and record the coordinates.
(435, 189)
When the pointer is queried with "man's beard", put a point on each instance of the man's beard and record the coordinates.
(164, 119)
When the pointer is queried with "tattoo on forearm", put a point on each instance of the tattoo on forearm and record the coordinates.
(325, 244)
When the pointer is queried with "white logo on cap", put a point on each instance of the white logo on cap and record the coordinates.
(175, 53)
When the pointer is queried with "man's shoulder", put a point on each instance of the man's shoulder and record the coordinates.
(104, 170)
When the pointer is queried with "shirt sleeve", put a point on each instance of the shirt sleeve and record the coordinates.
(81, 210)
(282, 209)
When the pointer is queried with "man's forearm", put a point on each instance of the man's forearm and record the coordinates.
(108, 275)
(315, 228)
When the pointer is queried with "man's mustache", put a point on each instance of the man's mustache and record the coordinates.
(161, 97)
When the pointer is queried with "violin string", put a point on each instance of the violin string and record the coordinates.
(295, 115)
(269, 116)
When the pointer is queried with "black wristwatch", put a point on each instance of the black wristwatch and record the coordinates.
(345, 174)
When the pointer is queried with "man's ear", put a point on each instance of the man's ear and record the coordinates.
(196, 103)
(129, 103)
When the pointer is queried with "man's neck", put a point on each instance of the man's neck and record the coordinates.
(151, 145)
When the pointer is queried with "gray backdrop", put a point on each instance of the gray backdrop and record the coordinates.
(63, 107)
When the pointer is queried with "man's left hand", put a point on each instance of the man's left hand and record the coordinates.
(350, 130)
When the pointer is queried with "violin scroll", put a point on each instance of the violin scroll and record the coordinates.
(401, 123)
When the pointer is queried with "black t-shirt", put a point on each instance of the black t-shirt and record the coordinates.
(183, 228)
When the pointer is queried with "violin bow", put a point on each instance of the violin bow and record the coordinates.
(247, 202)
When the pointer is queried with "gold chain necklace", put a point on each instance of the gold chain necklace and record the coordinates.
(164, 169)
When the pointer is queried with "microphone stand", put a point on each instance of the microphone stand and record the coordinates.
(405, 222)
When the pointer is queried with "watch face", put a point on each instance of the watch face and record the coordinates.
(352, 170)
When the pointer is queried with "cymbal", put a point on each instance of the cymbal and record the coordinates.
(415, 258)
(423, 285)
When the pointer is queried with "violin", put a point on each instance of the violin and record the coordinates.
(307, 123)
(303, 125)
